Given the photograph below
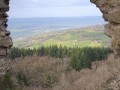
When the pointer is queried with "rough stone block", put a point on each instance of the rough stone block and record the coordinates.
(3, 52)
(114, 16)
(5, 40)
(3, 15)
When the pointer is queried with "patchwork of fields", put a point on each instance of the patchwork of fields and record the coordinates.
(92, 36)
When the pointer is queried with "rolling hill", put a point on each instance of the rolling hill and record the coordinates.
(92, 36)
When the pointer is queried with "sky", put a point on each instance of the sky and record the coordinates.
(52, 8)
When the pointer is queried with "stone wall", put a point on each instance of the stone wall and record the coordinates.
(5, 40)
(111, 13)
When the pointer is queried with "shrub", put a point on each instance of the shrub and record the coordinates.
(22, 79)
(6, 83)
(49, 81)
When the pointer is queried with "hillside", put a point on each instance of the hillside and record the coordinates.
(80, 37)
(55, 68)
(71, 59)
(45, 73)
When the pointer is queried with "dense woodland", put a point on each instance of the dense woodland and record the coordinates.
(80, 57)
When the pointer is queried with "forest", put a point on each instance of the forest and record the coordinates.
(79, 57)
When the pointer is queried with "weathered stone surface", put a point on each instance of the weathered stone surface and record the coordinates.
(112, 83)
(111, 13)
(3, 52)
(2, 34)
(5, 39)
(114, 16)
(4, 3)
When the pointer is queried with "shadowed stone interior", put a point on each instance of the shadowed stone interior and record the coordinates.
(109, 8)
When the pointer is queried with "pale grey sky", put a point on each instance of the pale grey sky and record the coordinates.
(52, 8)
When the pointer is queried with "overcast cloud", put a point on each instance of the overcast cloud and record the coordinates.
(52, 8)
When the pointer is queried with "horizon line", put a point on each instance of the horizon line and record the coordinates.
(51, 17)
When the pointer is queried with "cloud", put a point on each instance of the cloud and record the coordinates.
(49, 3)
(34, 0)
(55, 12)
(52, 8)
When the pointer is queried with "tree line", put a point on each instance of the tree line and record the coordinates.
(80, 57)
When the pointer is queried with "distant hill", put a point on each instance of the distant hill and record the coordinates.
(24, 27)
(79, 37)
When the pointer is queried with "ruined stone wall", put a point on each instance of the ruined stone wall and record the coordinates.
(111, 13)
(5, 40)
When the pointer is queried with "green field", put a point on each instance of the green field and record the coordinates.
(81, 37)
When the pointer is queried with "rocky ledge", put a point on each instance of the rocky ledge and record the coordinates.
(111, 14)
